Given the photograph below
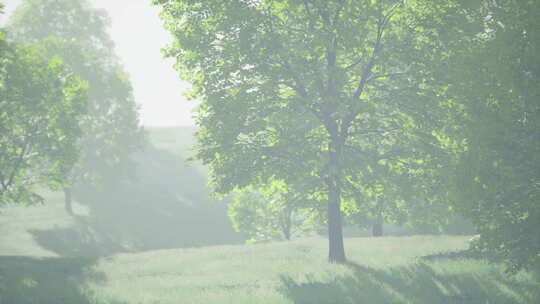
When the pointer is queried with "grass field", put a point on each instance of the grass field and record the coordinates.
(383, 270)
(137, 244)
(34, 269)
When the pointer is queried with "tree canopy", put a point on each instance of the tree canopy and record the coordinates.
(41, 101)
(77, 33)
(497, 80)
(308, 90)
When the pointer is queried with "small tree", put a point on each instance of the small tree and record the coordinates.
(41, 103)
(271, 212)
(72, 30)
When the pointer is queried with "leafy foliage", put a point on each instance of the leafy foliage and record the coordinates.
(497, 181)
(312, 91)
(273, 212)
(73, 31)
(41, 102)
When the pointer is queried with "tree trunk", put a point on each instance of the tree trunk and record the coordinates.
(378, 227)
(287, 233)
(287, 226)
(336, 250)
(68, 201)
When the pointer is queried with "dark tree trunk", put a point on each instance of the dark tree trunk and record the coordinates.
(287, 226)
(68, 201)
(378, 227)
(336, 252)
(287, 233)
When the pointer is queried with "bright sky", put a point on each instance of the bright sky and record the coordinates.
(139, 36)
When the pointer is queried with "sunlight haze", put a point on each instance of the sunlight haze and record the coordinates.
(139, 37)
(342, 151)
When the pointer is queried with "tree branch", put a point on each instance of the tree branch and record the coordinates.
(18, 163)
(379, 131)
(352, 65)
(320, 12)
(301, 90)
(367, 70)
(299, 87)
(2, 182)
(338, 11)
(308, 10)
(373, 77)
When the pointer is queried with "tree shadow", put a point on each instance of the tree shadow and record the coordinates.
(45, 280)
(460, 254)
(82, 239)
(418, 283)
(166, 206)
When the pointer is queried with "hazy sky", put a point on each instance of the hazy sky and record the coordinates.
(137, 32)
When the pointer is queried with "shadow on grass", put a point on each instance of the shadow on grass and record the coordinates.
(418, 283)
(460, 254)
(45, 281)
(83, 239)
(166, 206)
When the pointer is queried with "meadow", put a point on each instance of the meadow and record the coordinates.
(382, 270)
(168, 242)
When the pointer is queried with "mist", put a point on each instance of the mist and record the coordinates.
(209, 151)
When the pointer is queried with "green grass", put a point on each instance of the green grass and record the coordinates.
(18, 225)
(382, 270)
(124, 246)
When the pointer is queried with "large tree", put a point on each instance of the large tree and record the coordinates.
(302, 89)
(41, 102)
(496, 79)
(77, 33)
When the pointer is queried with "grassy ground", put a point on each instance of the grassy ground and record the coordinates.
(21, 225)
(384, 270)
(122, 246)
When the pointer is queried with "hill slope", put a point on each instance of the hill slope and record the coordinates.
(166, 205)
